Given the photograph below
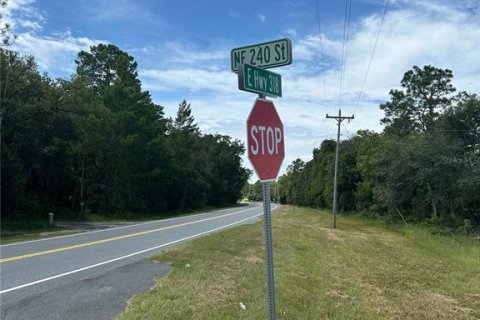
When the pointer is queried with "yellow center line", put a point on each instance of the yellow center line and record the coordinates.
(81, 245)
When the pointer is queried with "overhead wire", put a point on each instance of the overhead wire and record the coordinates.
(371, 56)
(346, 28)
(331, 131)
(350, 134)
(321, 54)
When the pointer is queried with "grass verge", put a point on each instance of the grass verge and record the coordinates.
(24, 228)
(361, 270)
(9, 238)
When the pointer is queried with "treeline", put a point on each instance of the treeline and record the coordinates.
(97, 142)
(424, 165)
(254, 192)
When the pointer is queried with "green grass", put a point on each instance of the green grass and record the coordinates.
(23, 229)
(361, 270)
(7, 239)
(136, 217)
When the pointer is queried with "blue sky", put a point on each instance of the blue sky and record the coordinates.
(182, 49)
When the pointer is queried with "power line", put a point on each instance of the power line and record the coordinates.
(321, 53)
(346, 27)
(350, 135)
(371, 56)
(343, 55)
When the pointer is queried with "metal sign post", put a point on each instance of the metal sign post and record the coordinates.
(267, 235)
(266, 151)
(265, 136)
(267, 231)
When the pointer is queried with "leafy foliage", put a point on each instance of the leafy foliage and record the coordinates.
(424, 166)
(417, 107)
(97, 142)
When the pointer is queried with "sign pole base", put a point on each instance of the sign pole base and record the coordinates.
(267, 223)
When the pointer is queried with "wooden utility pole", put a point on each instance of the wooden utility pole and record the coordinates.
(339, 119)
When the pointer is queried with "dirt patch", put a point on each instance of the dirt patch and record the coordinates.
(360, 236)
(254, 260)
(337, 294)
(334, 236)
(215, 291)
(371, 288)
(463, 309)
(438, 297)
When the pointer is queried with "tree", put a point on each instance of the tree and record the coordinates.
(189, 166)
(349, 176)
(255, 191)
(185, 120)
(128, 167)
(106, 64)
(292, 184)
(97, 139)
(369, 152)
(461, 123)
(6, 34)
(321, 180)
(7, 39)
(424, 166)
(40, 137)
(27, 131)
(226, 176)
(427, 92)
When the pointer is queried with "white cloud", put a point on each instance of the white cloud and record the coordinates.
(186, 54)
(291, 32)
(443, 36)
(22, 14)
(438, 32)
(309, 47)
(106, 10)
(193, 80)
(53, 53)
(28, 24)
(233, 14)
(19, 4)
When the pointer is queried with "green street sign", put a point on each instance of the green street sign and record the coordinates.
(258, 80)
(264, 55)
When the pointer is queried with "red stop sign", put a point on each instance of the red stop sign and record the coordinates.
(265, 139)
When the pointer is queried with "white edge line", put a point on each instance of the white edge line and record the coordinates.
(114, 228)
(126, 256)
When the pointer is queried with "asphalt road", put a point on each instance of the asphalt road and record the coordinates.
(92, 275)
